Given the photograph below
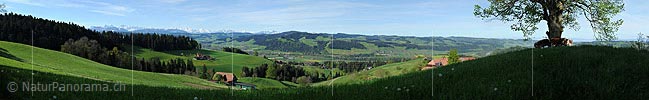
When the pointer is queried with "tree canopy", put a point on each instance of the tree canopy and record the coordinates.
(453, 57)
(526, 14)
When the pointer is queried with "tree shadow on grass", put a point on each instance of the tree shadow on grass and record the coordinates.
(4, 53)
(127, 48)
(286, 84)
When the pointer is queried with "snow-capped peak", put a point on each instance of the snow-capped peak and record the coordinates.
(125, 28)
(267, 32)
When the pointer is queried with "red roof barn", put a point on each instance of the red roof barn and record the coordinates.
(229, 77)
(443, 62)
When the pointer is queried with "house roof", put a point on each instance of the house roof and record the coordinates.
(444, 60)
(228, 76)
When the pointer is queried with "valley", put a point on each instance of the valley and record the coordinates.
(323, 50)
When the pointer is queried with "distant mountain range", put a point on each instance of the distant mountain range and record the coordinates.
(352, 44)
(136, 29)
(319, 43)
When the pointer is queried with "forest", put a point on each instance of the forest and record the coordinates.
(102, 47)
(293, 71)
(281, 72)
(286, 72)
(346, 45)
(52, 34)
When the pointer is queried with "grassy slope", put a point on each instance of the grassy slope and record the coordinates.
(262, 82)
(225, 61)
(310, 42)
(561, 73)
(69, 65)
(388, 70)
(290, 84)
(148, 53)
(584, 72)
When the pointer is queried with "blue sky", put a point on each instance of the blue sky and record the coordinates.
(370, 17)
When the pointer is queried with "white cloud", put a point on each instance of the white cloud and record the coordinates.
(172, 1)
(92, 6)
(71, 5)
(107, 8)
(107, 12)
(27, 2)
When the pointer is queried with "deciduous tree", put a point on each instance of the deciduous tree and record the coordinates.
(304, 80)
(453, 57)
(526, 14)
(204, 74)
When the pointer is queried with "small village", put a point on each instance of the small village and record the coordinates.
(230, 79)
(226, 78)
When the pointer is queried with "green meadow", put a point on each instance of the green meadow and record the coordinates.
(40, 60)
(224, 61)
(551, 73)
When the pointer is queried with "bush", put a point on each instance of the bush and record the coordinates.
(642, 43)
(380, 73)
(304, 80)
(204, 74)
(218, 78)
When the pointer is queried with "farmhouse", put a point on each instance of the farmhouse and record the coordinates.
(230, 79)
(439, 62)
(200, 56)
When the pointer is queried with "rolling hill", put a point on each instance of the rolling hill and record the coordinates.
(388, 70)
(583, 72)
(304, 46)
(264, 83)
(48, 61)
(224, 61)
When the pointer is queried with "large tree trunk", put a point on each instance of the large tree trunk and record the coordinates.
(554, 26)
(554, 20)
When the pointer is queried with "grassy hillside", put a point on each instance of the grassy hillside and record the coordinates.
(388, 70)
(47, 61)
(584, 72)
(142, 92)
(263, 83)
(225, 61)
(148, 53)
